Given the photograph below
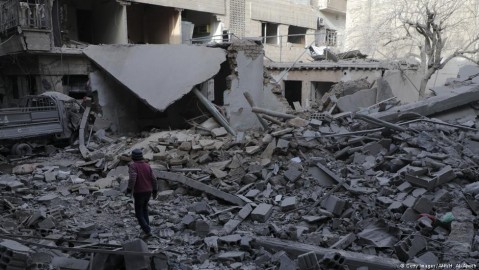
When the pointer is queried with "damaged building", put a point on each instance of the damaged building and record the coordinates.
(262, 160)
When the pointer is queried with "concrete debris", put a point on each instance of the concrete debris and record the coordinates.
(310, 191)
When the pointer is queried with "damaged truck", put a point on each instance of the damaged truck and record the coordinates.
(51, 117)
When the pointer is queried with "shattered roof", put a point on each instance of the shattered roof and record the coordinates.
(158, 74)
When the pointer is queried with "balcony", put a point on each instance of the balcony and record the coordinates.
(25, 26)
(333, 6)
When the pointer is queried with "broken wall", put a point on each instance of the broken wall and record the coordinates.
(404, 84)
(246, 58)
(118, 105)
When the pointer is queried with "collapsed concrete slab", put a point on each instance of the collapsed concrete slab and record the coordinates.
(158, 74)
(456, 98)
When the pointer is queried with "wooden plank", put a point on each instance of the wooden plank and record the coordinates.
(352, 259)
(199, 186)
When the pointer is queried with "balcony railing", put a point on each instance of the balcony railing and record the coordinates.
(336, 6)
(27, 15)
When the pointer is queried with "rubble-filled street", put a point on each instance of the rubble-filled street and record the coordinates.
(336, 191)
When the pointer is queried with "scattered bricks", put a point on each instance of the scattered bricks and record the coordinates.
(404, 187)
(165, 195)
(38, 177)
(282, 144)
(262, 212)
(410, 215)
(202, 228)
(344, 242)
(219, 132)
(185, 146)
(201, 208)
(252, 194)
(423, 181)
(418, 192)
(136, 262)
(444, 175)
(289, 203)
(384, 202)
(231, 225)
(333, 261)
(396, 207)
(188, 221)
(251, 150)
(46, 224)
(334, 205)
(84, 191)
(245, 211)
(50, 176)
(212, 244)
(427, 258)
(409, 201)
(292, 174)
(230, 240)
(249, 178)
(409, 247)
(232, 256)
(423, 205)
(245, 243)
(72, 263)
(424, 225)
(308, 261)
(442, 196)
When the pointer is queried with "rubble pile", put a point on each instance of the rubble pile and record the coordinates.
(315, 191)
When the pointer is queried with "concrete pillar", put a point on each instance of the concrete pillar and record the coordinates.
(310, 37)
(306, 94)
(283, 40)
(176, 36)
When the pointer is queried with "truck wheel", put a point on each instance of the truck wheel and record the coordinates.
(22, 149)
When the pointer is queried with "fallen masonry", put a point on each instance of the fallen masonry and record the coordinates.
(313, 190)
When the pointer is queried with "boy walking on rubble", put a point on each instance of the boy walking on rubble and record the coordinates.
(142, 183)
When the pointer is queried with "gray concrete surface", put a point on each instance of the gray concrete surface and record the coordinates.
(158, 74)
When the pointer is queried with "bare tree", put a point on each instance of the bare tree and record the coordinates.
(435, 31)
(430, 25)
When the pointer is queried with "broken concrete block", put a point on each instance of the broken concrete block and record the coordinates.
(219, 132)
(410, 215)
(292, 174)
(185, 146)
(409, 247)
(282, 144)
(252, 194)
(422, 181)
(46, 224)
(345, 241)
(133, 262)
(232, 256)
(423, 205)
(200, 207)
(444, 175)
(297, 122)
(289, 203)
(231, 225)
(245, 211)
(308, 261)
(50, 176)
(251, 150)
(334, 205)
(202, 228)
(70, 263)
(427, 258)
(262, 212)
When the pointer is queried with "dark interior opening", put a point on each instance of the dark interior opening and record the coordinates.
(75, 85)
(292, 91)
(221, 84)
(85, 25)
(321, 88)
(297, 35)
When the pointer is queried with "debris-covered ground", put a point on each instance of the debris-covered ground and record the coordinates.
(315, 191)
